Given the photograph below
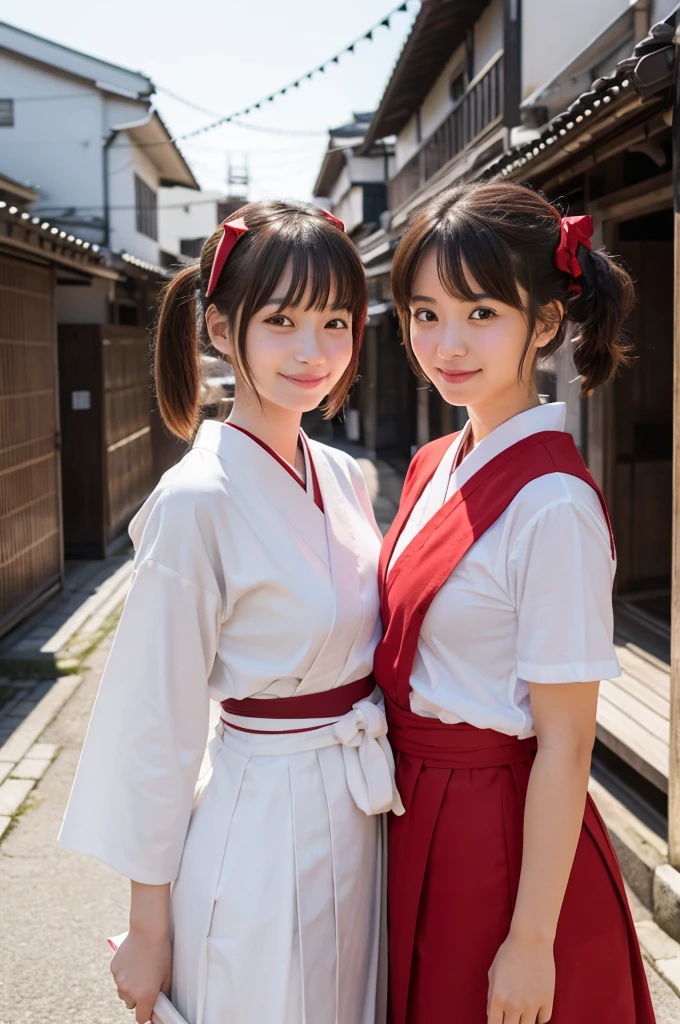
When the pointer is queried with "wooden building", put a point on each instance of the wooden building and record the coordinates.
(32, 259)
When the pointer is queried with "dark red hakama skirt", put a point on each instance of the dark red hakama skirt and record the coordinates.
(454, 866)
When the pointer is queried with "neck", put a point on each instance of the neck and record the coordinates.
(279, 428)
(486, 417)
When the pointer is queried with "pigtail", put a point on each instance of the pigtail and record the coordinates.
(176, 361)
(598, 313)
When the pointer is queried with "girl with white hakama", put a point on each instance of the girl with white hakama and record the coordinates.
(254, 587)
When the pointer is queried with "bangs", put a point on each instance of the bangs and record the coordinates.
(323, 273)
(461, 240)
(462, 243)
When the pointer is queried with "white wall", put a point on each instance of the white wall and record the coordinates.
(341, 185)
(551, 38)
(358, 169)
(367, 168)
(56, 143)
(488, 34)
(184, 213)
(661, 9)
(125, 160)
(433, 111)
(350, 209)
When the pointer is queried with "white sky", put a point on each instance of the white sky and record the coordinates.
(227, 55)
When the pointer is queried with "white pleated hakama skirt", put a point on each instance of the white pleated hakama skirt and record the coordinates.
(278, 910)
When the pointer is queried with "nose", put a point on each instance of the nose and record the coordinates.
(309, 349)
(451, 342)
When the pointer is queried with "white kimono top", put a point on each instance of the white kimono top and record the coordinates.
(529, 602)
(241, 587)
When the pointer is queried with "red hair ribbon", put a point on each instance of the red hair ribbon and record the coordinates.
(232, 231)
(574, 231)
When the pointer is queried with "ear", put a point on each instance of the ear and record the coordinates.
(547, 326)
(218, 330)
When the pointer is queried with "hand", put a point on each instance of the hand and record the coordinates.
(522, 982)
(141, 968)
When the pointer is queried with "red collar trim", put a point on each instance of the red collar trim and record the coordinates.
(316, 489)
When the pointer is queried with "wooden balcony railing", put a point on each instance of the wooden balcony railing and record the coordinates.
(478, 109)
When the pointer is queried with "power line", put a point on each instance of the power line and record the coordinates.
(269, 130)
(295, 84)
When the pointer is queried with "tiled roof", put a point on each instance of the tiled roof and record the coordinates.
(648, 72)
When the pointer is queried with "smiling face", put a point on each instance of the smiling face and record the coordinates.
(471, 349)
(295, 354)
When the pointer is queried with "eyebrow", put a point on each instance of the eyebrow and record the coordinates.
(279, 303)
(428, 298)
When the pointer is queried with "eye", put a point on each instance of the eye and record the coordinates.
(279, 320)
(425, 316)
(484, 313)
(337, 324)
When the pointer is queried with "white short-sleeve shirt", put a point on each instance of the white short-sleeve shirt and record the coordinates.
(529, 602)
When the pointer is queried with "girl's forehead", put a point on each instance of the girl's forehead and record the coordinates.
(429, 274)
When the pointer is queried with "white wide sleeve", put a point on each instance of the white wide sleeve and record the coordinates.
(561, 571)
(133, 792)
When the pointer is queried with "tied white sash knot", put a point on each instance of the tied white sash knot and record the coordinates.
(368, 758)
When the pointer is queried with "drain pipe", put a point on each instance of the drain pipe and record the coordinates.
(107, 201)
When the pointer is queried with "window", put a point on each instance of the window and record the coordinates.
(6, 113)
(419, 127)
(146, 208)
(457, 87)
(191, 247)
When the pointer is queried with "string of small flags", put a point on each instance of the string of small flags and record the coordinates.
(295, 84)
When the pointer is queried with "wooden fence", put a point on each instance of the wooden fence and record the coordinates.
(30, 517)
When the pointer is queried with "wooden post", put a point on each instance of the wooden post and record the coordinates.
(369, 390)
(512, 62)
(674, 753)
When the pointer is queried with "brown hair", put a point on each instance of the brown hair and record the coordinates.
(496, 226)
(280, 234)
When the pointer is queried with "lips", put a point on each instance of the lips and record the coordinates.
(457, 376)
(304, 381)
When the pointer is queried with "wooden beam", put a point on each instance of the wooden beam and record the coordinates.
(674, 751)
(637, 200)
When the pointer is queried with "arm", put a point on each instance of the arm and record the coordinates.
(133, 794)
(522, 977)
(560, 574)
(142, 966)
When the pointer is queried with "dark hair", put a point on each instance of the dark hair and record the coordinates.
(499, 226)
(280, 234)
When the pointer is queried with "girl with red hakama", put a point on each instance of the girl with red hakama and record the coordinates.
(505, 900)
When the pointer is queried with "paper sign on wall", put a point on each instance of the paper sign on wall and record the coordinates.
(80, 399)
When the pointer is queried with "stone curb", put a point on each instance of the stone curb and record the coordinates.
(661, 951)
(23, 759)
(643, 857)
(52, 657)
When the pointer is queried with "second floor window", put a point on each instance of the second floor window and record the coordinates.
(146, 208)
(6, 113)
(457, 87)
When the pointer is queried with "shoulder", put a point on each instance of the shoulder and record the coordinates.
(556, 504)
(185, 500)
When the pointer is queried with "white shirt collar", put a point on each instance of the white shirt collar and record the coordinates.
(551, 416)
